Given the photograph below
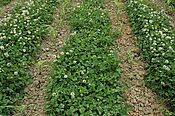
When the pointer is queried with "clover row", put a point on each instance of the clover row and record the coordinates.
(84, 80)
(21, 32)
(156, 39)
(4, 2)
(170, 2)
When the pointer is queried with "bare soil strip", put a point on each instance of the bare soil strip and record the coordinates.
(33, 102)
(142, 100)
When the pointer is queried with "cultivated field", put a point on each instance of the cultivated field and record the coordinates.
(87, 57)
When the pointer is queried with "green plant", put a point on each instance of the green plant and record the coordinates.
(20, 109)
(40, 64)
(85, 77)
(156, 39)
(52, 34)
(129, 56)
(118, 6)
(4, 2)
(170, 2)
(21, 33)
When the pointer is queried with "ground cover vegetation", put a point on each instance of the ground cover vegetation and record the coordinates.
(170, 2)
(4, 2)
(21, 32)
(156, 39)
(84, 80)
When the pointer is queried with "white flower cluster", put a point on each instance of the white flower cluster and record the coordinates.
(20, 31)
(156, 35)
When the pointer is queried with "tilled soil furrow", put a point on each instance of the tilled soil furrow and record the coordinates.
(34, 93)
(142, 99)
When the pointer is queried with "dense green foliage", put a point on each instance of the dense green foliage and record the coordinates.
(156, 39)
(170, 2)
(20, 35)
(4, 2)
(85, 77)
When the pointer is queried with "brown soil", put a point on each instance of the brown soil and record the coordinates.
(142, 99)
(34, 92)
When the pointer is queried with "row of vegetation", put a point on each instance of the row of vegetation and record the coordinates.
(20, 35)
(156, 39)
(4, 2)
(84, 80)
(170, 2)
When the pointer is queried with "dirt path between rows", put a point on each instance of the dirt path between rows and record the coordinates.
(142, 100)
(33, 102)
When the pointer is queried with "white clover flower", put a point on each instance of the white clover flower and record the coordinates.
(15, 73)
(73, 33)
(154, 43)
(165, 29)
(58, 56)
(166, 68)
(170, 48)
(163, 54)
(153, 59)
(150, 21)
(163, 44)
(6, 54)
(53, 94)
(158, 39)
(168, 37)
(166, 61)
(62, 53)
(151, 48)
(84, 81)
(162, 83)
(72, 94)
(1, 47)
(160, 48)
(65, 76)
(71, 51)
(9, 64)
(62, 105)
(24, 50)
(74, 62)
(82, 72)
(144, 29)
(160, 32)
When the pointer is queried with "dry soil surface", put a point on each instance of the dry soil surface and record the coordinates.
(141, 99)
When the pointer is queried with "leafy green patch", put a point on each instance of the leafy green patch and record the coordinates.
(20, 35)
(85, 76)
(156, 39)
(170, 2)
(4, 2)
